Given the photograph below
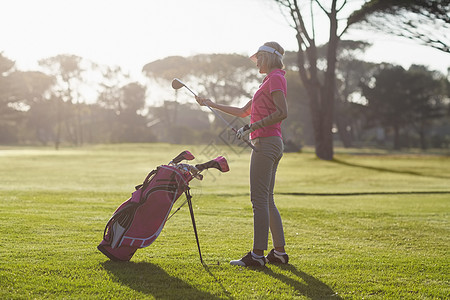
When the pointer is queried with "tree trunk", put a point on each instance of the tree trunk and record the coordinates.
(329, 88)
(324, 148)
(322, 121)
(325, 107)
(423, 141)
(340, 109)
(58, 123)
(396, 137)
(321, 95)
(320, 104)
(79, 125)
(344, 135)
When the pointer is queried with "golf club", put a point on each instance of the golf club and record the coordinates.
(178, 84)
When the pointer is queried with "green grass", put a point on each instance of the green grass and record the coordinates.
(363, 226)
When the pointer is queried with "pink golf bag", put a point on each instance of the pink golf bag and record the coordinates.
(139, 220)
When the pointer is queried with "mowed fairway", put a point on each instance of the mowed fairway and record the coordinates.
(363, 226)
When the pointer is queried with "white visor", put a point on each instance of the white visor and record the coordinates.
(266, 49)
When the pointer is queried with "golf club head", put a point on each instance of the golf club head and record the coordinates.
(220, 163)
(177, 84)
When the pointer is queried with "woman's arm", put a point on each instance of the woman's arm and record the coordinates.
(231, 110)
(280, 114)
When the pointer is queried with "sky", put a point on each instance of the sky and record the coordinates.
(131, 33)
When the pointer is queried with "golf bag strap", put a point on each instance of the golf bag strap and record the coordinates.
(147, 179)
(146, 182)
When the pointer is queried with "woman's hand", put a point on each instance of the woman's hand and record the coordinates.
(203, 101)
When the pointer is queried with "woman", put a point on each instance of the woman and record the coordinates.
(267, 109)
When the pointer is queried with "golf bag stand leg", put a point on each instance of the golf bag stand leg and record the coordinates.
(189, 197)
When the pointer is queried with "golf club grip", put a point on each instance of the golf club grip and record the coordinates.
(250, 144)
(246, 141)
(232, 128)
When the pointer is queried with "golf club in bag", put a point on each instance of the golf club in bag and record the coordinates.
(178, 84)
(137, 222)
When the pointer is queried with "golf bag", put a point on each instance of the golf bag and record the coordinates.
(137, 222)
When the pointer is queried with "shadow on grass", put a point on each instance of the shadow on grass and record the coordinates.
(387, 170)
(150, 279)
(366, 193)
(305, 285)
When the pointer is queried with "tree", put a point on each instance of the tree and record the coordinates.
(188, 127)
(349, 73)
(401, 99)
(386, 101)
(32, 89)
(132, 125)
(42, 120)
(427, 94)
(110, 95)
(297, 128)
(227, 78)
(19, 93)
(425, 21)
(319, 83)
(8, 115)
(133, 97)
(123, 106)
(68, 71)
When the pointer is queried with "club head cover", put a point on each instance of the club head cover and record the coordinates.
(219, 163)
(185, 155)
(223, 164)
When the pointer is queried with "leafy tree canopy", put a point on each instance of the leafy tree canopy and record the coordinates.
(426, 21)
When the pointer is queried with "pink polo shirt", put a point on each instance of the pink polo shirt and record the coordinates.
(263, 105)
